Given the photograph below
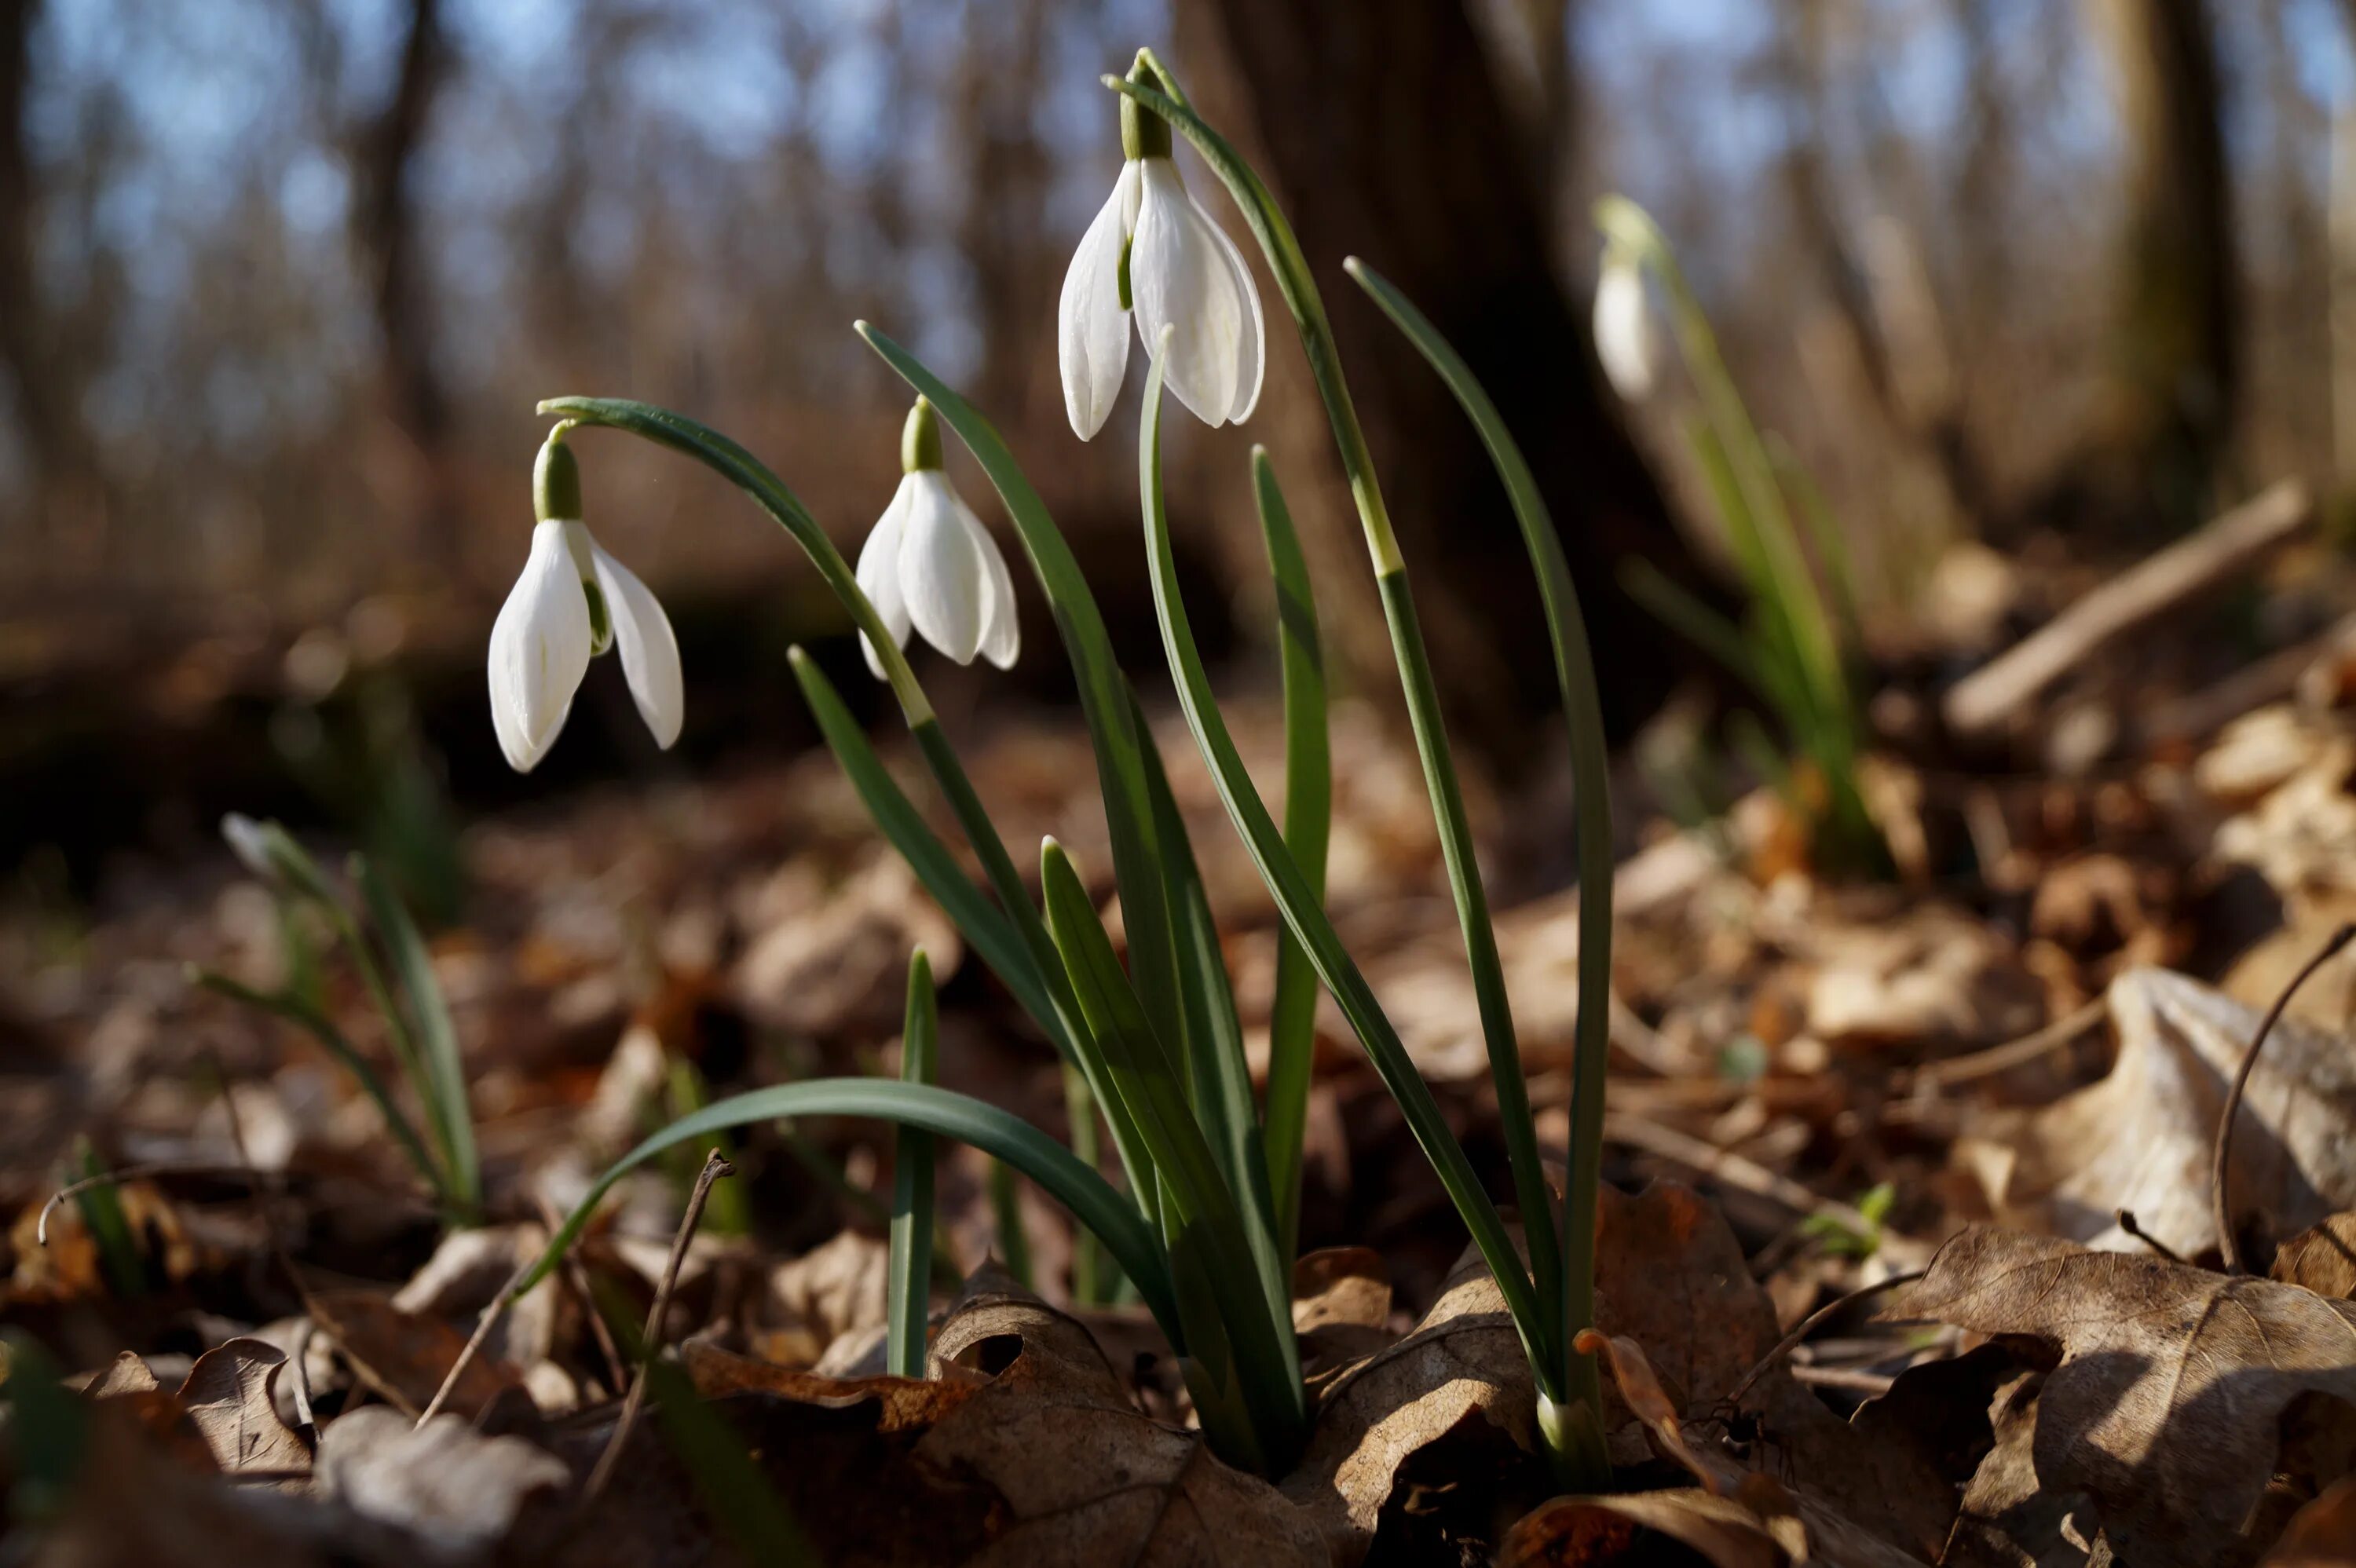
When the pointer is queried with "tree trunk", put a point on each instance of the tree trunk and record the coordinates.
(384, 229)
(62, 488)
(2173, 376)
(1382, 131)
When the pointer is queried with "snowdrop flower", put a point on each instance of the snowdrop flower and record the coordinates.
(1623, 333)
(573, 602)
(1152, 247)
(250, 842)
(932, 565)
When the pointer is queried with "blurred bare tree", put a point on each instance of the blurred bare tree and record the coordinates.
(1384, 134)
(2174, 357)
(281, 279)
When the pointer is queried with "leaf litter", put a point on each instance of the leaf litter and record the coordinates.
(2058, 1396)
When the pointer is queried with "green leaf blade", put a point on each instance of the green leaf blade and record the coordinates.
(908, 1273)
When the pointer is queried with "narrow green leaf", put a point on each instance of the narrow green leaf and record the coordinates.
(101, 1208)
(908, 1288)
(1218, 1078)
(331, 1039)
(1592, 776)
(1092, 1200)
(447, 1107)
(1206, 1229)
(1013, 1234)
(1305, 916)
(1308, 825)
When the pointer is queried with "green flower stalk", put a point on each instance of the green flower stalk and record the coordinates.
(1790, 647)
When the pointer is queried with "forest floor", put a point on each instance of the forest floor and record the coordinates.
(1989, 1085)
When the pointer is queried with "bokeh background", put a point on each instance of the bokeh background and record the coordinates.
(281, 281)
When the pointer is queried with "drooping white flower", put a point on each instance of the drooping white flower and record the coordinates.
(250, 842)
(1152, 246)
(574, 601)
(930, 564)
(1623, 332)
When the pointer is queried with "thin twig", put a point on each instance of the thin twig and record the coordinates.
(576, 1277)
(1809, 1325)
(715, 1166)
(2227, 1246)
(491, 1314)
(2014, 1054)
(139, 1173)
(1854, 1379)
(2127, 1221)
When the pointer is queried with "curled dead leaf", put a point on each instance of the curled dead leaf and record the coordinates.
(2321, 1258)
(2142, 1138)
(2168, 1400)
(229, 1396)
(2322, 1534)
(1642, 1393)
(1023, 1447)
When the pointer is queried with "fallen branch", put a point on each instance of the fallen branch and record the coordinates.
(1986, 698)
(1933, 1076)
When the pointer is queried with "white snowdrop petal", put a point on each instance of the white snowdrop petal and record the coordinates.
(540, 649)
(879, 576)
(941, 572)
(1623, 337)
(1001, 631)
(1252, 353)
(650, 652)
(1179, 278)
(1091, 327)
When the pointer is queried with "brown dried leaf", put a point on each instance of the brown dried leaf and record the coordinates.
(1454, 1398)
(227, 1394)
(127, 1374)
(1588, 1530)
(460, 1491)
(812, 1301)
(1341, 1308)
(1642, 1393)
(2322, 1534)
(404, 1356)
(2322, 1259)
(2168, 1402)
(1023, 1449)
(2142, 1138)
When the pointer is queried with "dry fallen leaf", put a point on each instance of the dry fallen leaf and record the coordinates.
(1593, 1531)
(404, 1356)
(459, 1491)
(1454, 1398)
(227, 1394)
(1341, 1308)
(2142, 1138)
(2168, 1402)
(2322, 1534)
(2321, 1258)
(1021, 1448)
